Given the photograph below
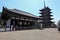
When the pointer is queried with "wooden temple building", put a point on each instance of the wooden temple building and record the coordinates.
(16, 19)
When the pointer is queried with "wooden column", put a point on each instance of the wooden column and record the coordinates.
(5, 24)
(14, 24)
(35, 23)
(19, 22)
(10, 24)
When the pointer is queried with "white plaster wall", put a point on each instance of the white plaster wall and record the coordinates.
(8, 22)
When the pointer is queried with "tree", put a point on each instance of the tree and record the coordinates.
(53, 25)
(58, 25)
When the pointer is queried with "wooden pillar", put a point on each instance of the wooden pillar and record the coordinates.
(19, 22)
(14, 24)
(24, 24)
(5, 24)
(35, 23)
(10, 24)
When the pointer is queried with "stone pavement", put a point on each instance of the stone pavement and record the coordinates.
(46, 34)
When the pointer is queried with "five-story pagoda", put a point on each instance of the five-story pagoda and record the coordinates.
(46, 17)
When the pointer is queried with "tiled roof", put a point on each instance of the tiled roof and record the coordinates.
(22, 12)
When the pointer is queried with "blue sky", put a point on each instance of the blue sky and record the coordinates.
(33, 6)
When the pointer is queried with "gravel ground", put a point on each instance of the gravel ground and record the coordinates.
(46, 34)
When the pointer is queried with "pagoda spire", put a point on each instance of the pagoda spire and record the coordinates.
(44, 4)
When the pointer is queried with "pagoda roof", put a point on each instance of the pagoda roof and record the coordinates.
(46, 8)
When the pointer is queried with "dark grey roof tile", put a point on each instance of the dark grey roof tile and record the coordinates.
(22, 12)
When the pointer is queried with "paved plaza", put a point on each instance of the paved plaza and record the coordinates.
(46, 34)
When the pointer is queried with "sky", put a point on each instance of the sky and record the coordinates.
(33, 6)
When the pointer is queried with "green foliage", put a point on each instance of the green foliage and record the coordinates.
(58, 23)
(53, 25)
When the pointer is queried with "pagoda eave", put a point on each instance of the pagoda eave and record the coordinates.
(43, 13)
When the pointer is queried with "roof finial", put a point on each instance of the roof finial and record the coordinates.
(44, 4)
